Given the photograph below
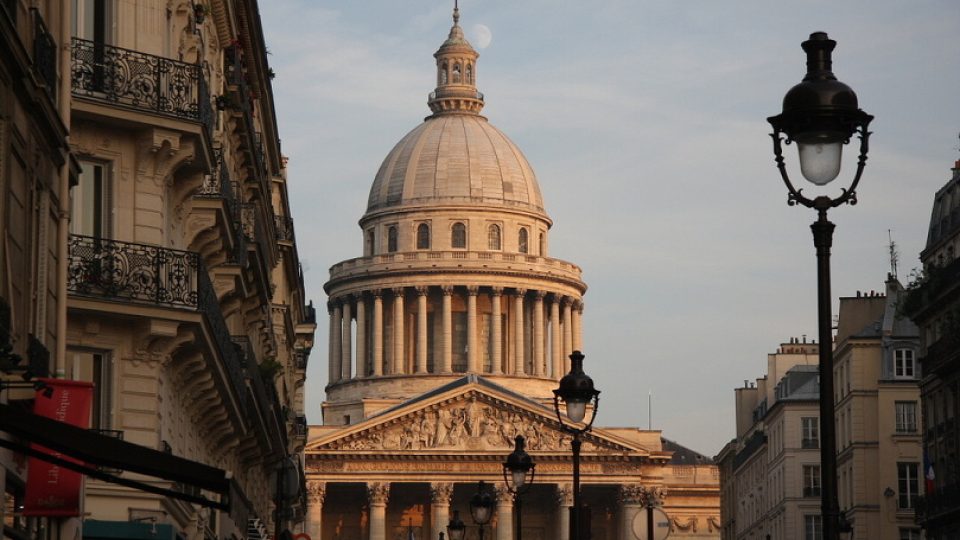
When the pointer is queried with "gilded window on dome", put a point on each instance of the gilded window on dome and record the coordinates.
(458, 236)
(423, 236)
(493, 237)
(522, 246)
(392, 238)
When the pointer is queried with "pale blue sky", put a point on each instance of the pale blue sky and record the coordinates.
(646, 125)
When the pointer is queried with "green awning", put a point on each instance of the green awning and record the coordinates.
(127, 530)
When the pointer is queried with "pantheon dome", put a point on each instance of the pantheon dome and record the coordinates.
(455, 276)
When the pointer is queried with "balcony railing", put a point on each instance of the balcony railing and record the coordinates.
(44, 54)
(140, 81)
(943, 502)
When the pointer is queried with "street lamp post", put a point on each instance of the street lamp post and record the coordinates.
(518, 474)
(820, 114)
(456, 528)
(576, 391)
(481, 507)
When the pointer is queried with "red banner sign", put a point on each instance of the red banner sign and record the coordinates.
(53, 490)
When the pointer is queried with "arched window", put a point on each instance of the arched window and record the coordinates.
(392, 238)
(469, 73)
(493, 237)
(368, 247)
(458, 236)
(456, 73)
(442, 76)
(522, 241)
(423, 236)
(543, 245)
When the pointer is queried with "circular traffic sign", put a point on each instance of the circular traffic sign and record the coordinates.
(661, 525)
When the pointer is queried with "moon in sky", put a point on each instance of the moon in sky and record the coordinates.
(482, 35)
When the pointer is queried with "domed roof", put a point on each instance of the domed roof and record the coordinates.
(455, 159)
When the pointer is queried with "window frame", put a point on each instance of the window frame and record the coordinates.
(423, 236)
(812, 482)
(458, 228)
(908, 484)
(393, 235)
(904, 361)
(523, 241)
(101, 203)
(812, 527)
(905, 415)
(497, 230)
(810, 432)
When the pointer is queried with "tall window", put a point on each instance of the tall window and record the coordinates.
(456, 73)
(812, 527)
(392, 238)
(423, 236)
(903, 364)
(909, 534)
(91, 20)
(469, 73)
(493, 237)
(810, 432)
(908, 484)
(368, 244)
(93, 367)
(522, 246)
(90, 207)
(543, 246)
(442, 77)
(811, 480)
(906, 416)
(458, 236)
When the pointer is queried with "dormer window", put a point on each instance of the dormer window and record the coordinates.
(458, 236)
(423, 236)
(522, 245)
(903, 364)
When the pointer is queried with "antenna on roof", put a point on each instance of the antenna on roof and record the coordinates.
(894, 256)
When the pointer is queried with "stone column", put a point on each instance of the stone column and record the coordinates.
(337, 357)
(631, 498)
(564, 504)
(422, 329)
(377, 333)
(346, 342)
(504, 512)
(360, 369)
(496, 333)
(440, 495)
(578, 326)
(398, 332)
(538, 359)
(473, 350)
(567, 333)
(332, 353)
(556, 352)
(315, 494)
(518, 331)
(377, 494)
(447, 365)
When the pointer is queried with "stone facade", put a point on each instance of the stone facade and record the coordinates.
(447, 338)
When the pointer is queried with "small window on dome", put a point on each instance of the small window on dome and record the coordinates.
(458, 236)
(493, 237)
(456, 73)
(469, 74)
(543, 245)
(423, 236)
(442, 78)
(368, 245)
(522, 241)
(392, 239)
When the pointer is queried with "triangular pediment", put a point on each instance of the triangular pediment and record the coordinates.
(474, 417)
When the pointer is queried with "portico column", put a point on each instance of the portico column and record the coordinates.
(447, 366)
(538, 359)
(578, 326)
(360, 369)
(564, 504)
(504, 513)
(315, 494)
(332, 352)
(631, 503)
(567, 332)
(422, 329)
(440, 494)
(377, 494)
(557, 354)
(377, 333)
(335, 336)
(497, 323)
(398, 332)
(472, 349)
(346, 343)
(518, 331)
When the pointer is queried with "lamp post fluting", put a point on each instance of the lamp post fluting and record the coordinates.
(518, 474)
(577, 392)
(820, 115)
(481, 507)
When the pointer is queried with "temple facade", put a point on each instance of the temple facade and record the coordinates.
(447, 338)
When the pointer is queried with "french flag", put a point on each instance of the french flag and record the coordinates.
(928, 474)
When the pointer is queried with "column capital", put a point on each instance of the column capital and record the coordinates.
(330, 305)
(633, 494)
(496, 291)
(398, 291)
(578, 306)
(422, 290)
(447, 290)
(654, 496)
(473, 290)
(564, 495)
(566, 301)
(376, 293)
(316, 492)
(539, 295)
(502, 494)
(441, 492)
(518, 292)
(357, 296)
(378, 493)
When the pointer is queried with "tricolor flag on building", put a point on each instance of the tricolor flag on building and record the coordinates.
(928, 474)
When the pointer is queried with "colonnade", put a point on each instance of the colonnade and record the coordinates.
(448, 329)
(630, 497)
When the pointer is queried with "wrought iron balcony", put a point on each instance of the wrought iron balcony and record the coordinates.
(44, 54)
(140, 81)
(241, 100)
